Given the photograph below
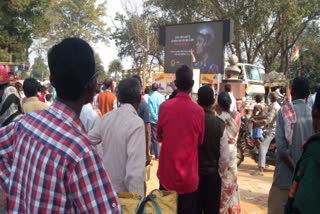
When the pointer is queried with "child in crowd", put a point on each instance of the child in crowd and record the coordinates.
(257, 113)
(49, 99)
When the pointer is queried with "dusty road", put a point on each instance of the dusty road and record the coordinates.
(253, 189)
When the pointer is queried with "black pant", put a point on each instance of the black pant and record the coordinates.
(187, 203)
(208, 194)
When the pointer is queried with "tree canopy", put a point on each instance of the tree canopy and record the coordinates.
(39, 69)
(47, 22)
(115, 68)
(20, 22)
(264, 31)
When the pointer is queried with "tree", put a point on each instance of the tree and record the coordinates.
(137, 37)
(23, 75)
(76, 18)
(20, 21)
(115, 68)
(263, 30)
(307, 64)
(39, 69)
(102, 73)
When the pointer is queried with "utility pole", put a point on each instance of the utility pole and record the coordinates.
(146, 54)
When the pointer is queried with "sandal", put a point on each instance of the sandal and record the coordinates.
(257, 173)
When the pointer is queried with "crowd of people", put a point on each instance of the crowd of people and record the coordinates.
(74, 154)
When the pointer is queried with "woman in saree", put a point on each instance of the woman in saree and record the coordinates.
(230, 198)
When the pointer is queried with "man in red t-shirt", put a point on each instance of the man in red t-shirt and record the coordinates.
(180, 130)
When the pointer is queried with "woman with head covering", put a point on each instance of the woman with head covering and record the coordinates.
(230, 198)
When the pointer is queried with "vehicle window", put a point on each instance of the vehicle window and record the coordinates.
(253, 73)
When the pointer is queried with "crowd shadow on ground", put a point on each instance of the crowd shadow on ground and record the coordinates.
(254, 190)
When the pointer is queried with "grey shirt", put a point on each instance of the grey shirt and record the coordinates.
(143, 111)
(303, 129)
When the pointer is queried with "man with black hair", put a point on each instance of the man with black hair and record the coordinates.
(107, 101)
(268, 120)
(121, 133)
(32, 102)
(213, 155)
(294, 127)
(313, 96)
(48, 163)
(146, 93)
(181, 131)
(155, 100)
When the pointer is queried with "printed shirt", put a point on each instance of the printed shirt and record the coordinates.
(180, 129)
(13, 107)
(49, 165)
(302, 130)
(154, 103)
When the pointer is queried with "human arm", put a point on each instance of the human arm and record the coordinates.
(201, 127)
(148, 137)
(6, 154)
(282, 144)
(90, 187)
(224, 153)
(115, 104)
(160, 124)
(136, 159)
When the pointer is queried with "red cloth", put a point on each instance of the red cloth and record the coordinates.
(42, 97)
(180, 129)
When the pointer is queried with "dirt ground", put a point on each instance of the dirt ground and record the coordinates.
(253, 189)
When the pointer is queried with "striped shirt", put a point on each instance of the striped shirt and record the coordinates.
(48, 165)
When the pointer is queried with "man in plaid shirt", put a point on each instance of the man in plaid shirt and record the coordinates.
(47, 163)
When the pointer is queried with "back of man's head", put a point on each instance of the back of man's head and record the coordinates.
(30, 87)
(184, 78)
(72, 67)
(108, 83)
(227, 87)
(147, 90)
(129, 91)
(49, 97)
(205, 96)
(154, 86)
(300, 88)
(273, 96)
(258, 98)
(137, 77)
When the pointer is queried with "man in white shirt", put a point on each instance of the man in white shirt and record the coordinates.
(146, 94)
(233, 106)
(122, 135)
(88, 117)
